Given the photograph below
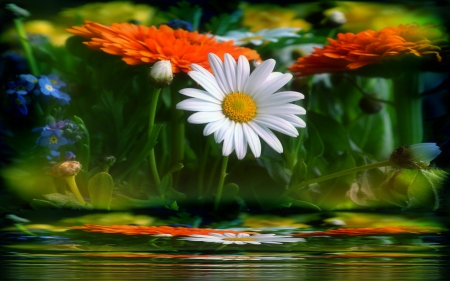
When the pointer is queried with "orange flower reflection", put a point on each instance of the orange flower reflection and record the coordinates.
(373, 231)
(139, 44)
(151, 230)
(352, 51)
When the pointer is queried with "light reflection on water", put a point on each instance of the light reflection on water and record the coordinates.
(241, 266)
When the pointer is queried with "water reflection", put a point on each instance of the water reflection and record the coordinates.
(243, 266)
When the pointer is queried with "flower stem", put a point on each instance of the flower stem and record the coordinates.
(335, 175)
(151, 125)
(408, 108)
(73, 187)
(178, 129)
(223, 174)
(18, 24)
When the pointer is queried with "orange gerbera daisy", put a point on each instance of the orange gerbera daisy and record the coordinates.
(139, 44)
(352, 51)
(151, 230)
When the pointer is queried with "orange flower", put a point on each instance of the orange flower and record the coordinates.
(151, 230)
(352, 51)
(373, 231)
(139, 44)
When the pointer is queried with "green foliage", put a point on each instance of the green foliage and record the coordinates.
(101, 188)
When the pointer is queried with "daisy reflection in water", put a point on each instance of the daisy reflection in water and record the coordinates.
(243, 238)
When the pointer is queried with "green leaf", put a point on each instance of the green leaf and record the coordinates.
(333, 191)
(174, 206)
(38, 204)
(140, 151)
(289, 202)
(332, 133)
(298, 173)
(66, 201)
(101, 187)
(83, 152)
(229, 193)
(121, 202)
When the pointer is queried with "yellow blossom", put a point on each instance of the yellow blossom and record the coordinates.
(260, 16)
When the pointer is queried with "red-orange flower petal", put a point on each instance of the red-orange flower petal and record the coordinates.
(353, 51)
(143, 44)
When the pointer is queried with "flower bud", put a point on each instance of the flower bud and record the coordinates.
(369, 105)
(65, 169)
(335, 19)
(161, 74)
(416, 156)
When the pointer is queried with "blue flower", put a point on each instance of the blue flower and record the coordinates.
(70, 155)
(47, 87)
(51, 139)
(64, 98)
(20, 103)
(56, 82)
(29, 78)
(53, 157)
(19, 86)
(176, 24)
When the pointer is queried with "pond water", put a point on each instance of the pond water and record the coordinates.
(325, 246)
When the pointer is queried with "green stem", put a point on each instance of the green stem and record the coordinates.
(408, 108)
(151, 125)
(26, 46)
(223, 174)
(178, 129)
(73, 187)
(335, 175)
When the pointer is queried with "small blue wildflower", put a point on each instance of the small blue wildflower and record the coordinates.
(47, 87)
(64, 98)
(29, 78)
(51, 139)
(176, 24)
(56, 82)
(70, 155)
(53, 157)
(20, 103)
(19, 86)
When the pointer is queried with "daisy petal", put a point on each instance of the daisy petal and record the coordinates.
(198, 105)
(277, 124)
(285, 109)
(295, 120)
(243, 71)
(280, 98)
(268, 136)
(213, 126)
(200, 94)
(230, 72)
(258, 76)
(217, 67)
(228, 141)
(271, 86)
(207, 84)
(205, 117)
(239, 142)
(252, 140)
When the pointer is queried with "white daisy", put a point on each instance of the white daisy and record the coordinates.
(257, 38)
(239, 107)
(243, 238)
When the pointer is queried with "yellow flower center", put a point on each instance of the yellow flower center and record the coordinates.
(239, 239)
(49, 88)
(53, 81)
(239, 107)
(19, 102)
(53, 139)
